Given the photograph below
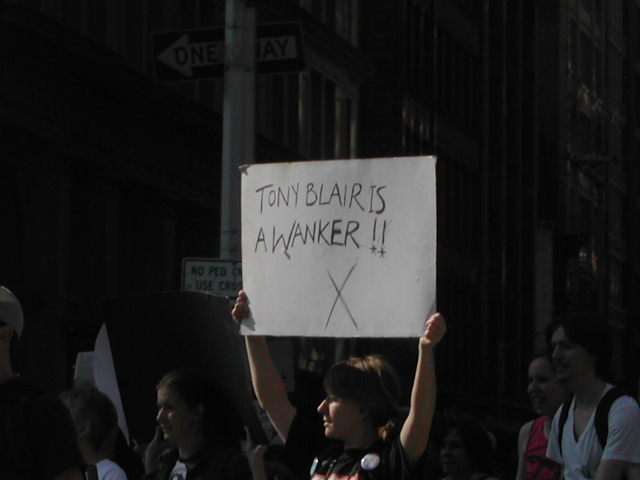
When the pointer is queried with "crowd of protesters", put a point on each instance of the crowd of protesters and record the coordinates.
(586, 428)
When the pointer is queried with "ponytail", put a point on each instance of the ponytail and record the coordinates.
(387, 431)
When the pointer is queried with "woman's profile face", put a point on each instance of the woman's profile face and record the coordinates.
(454, 457)
(177, 420)
(341, 417)
(544, 389)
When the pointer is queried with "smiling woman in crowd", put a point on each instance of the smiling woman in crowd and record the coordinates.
(198, 431)
(546, 394)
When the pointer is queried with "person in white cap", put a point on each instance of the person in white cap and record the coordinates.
(37, 437)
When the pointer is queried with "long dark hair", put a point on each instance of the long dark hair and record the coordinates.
(221, 421)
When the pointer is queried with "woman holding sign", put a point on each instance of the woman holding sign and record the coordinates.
(360, 410)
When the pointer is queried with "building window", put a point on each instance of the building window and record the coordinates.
(339, 15)
(616, 283)
(74, 14)
(586, 59)
(573, 46)
(345, 20)
(599, 85)
(328, 119)
(636, 32)
(344, 127)
(585, 133)
(315, 115)
(615, 14)
(637, 82)
(457, 82)
(329, 114)
(292, 126)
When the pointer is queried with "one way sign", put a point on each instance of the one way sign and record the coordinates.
(199, 54)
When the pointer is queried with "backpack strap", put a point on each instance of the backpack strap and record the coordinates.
(601, 419)
(564, 413)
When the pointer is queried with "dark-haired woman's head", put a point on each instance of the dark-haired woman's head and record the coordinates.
(190, 404)
(586, 331)
(372, 384)
(466, 447)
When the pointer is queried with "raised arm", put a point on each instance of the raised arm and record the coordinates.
(414, 435)
(267, 382)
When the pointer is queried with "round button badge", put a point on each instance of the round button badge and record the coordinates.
(370, 461)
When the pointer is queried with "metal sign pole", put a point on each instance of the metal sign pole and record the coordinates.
(238, 130)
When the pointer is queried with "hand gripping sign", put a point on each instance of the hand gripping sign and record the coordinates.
(339, 248)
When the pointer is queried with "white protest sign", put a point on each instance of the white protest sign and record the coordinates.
(340, 248)
(104, 375)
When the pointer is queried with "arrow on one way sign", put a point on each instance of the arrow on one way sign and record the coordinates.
(183, 56)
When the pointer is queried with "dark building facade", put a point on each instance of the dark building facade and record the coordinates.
(463, 83)
(531, 108)
(110, 177)
(589, 124)
(100, 198)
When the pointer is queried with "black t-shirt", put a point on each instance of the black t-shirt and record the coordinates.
(213, 463)
(382, 461)
(37, 437)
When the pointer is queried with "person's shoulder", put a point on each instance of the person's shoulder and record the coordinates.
(524, 434)
(625, 402)
(391, 453)
(526, 429)
(621, 415)
(110, 470)
(228, 462)
(32, 398)
(625, 411)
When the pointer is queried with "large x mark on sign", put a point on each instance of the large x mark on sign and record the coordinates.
(340, 297)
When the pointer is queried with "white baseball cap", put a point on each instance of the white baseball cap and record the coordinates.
(10, 310)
